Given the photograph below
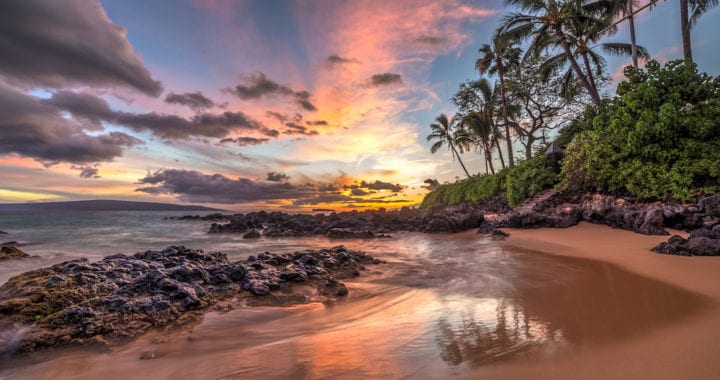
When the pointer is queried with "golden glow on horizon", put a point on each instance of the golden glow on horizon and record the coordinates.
(7, 195)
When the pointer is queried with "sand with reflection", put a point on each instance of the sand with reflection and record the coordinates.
(454, 305)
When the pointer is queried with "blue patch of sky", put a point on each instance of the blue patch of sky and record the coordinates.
(278, 25)
(170, 35)
(41, 93)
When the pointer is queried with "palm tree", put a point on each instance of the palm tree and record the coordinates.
(480, 96)
(628, 11)
(481, 132)
(547, 23)
(685, 30)
(584, 34)
(690, 12)
(496, 58)
(442, 132)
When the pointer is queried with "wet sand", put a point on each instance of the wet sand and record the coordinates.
(585, 302)
(688, 349)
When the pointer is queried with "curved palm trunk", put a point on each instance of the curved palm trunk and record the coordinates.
(685, 26)
(501, 74)
(488, 157)
(574, 64)
(631, 24)
(459, 160)
(588, 69)
(499, 150)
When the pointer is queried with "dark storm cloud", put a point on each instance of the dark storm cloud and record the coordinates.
(359, 192)
(258, 85)
(303, 99)
(277, 116)
(432, 41)
(194, 186)
(31, 128)
(297, 129)
(380, 185)
(317, 122)
(277, 177)
(67, 42)
(336, 59)
(87, 171)
(195, 100)
(376, 185)
(385, 79)
(95, 109)
(245, 141)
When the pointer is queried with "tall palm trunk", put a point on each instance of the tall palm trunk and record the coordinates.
(501, 74)
(685, 26)
(488, 157)
(588, 69)
(499, 150)
(459, 160)
(633, 43)
(592, 90)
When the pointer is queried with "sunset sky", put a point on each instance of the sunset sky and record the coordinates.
(249, 104)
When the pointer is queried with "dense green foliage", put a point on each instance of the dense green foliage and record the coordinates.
(659, 139)
(529, 178)
(474, 189)
(518, 183)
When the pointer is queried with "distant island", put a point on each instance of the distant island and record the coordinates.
(100, 205)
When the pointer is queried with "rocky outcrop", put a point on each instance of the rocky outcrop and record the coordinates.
(210, 217)
(355, 225)
(10, 251)
(566, 209)
(121, 296)
(490, 228)
(701, 242)
(620, 213)
(711, 205)
(252, 234)
(455, 218)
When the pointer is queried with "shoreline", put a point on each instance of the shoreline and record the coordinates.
(687, 350)
(627, 249)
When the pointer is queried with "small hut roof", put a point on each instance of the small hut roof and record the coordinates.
(553, 149)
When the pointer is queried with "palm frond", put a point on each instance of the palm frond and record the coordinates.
(617, 49)
(435, 147)
(699, 8)
(552, 65)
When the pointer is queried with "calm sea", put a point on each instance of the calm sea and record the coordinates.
(441, 306)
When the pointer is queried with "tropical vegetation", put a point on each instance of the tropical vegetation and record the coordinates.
(658, 139)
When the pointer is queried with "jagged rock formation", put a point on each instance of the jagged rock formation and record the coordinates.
(353, 225)
(121, 296)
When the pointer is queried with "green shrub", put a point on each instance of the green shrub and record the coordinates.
(529, 178)
(474, 189)
(659, 139)
(521, 182)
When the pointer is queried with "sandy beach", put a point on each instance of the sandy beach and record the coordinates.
(688, 350)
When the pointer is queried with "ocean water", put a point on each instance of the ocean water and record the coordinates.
(440, 306)
(59, 236)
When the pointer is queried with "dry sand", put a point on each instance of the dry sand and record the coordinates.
(688, 350)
